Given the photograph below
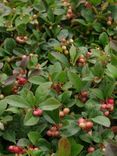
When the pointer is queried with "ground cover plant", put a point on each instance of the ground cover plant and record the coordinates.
(58, 78)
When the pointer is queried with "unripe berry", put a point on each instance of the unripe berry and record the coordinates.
(71, 40)
(66, 111)
(82, 125)
(61, 114)
(66, 52)
(1, 96)
(109, 22)
(64, 47)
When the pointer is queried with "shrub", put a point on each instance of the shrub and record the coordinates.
(58, 77)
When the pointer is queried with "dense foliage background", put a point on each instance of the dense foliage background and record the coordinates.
(58, 77)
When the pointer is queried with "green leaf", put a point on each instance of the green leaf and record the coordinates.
(9, 44)
(50, 104)
(73, 54)
(75, 148)
(3, 106)
(61, 58)
(30, 120)
(29, 97)
(75, 80)
(52, 116)
(17, 101)
(23, 142)
(95, 2)
(63, 34)
(10, 136)
(103, 38)
(37, 80)
(97, 93)
(42, 91)
(102, 120)
(64, 147)
(66, 130)
(33, 137)
(112, 70)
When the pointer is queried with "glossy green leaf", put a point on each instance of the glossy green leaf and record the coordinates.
(102, 120)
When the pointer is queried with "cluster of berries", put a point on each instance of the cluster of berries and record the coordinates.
(19, 150)
(57, 87)
(83, 96)
(16, 149)
(37, 112)
(54, 131)
(107, 106)
(20, 80)
(65, 43)
(70, 13)
(64, 112)
(85, 124)
(81, 61)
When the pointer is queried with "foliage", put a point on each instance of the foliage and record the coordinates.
(58, 77)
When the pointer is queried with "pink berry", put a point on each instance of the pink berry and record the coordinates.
(37, 112)
(81, 120)
(91, 149)
(106, 113)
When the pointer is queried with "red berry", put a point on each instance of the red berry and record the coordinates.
(89, 125)
(91, 149)
(37, 112)
(84, 93)
(22, 81)
(16, 149)
(11, 148)
(110, 101)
